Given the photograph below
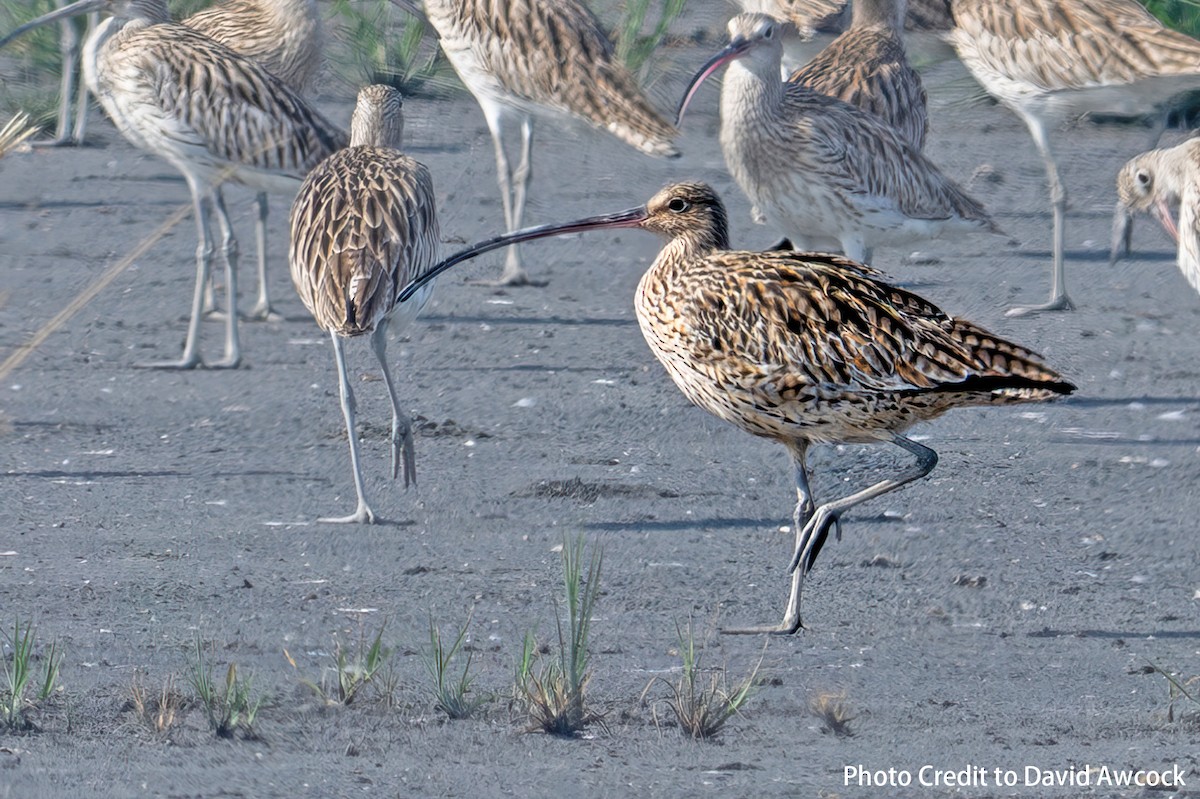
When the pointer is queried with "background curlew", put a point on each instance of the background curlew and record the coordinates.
(364, 224)
(214, 115)
(528, 56)
(802, 349)
(826, 174)
(1158, 180)
(866, 67)
(1050, 61)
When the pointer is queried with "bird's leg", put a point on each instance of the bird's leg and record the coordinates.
(402, 437)
(514, 274)
(229, 253)
(262, 308)
(800, 518)
(201, 204)
(1059, 301)
(81, 98)
(828, 517)
(68, 47)
(363, 513)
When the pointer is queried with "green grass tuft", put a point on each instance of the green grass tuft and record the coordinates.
(451, 687)
(552, 692)
(24, 685)
(231, 705)
(704, 703)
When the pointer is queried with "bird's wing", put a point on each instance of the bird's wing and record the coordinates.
(235, 109)
(363, 225)
(1072, 45)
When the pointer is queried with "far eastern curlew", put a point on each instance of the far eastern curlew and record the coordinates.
(803, 349)
(286, 38)
(826, 174)
(866, 67)
(283, 36)
(214, 115)
(1051, 61)
(808, 24)
(523, 57)
(364, 224)
(1159, 179)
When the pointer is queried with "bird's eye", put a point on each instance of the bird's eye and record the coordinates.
(769, 32)
(1143, 177)
(678, 205)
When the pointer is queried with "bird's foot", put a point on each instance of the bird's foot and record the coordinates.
(814, 534)
(214, 314)
(228, 362)
(186, 362)
(516, 280)
(364, 515)
(1060, 303)
(785, 627)
(263, 312)
(404, 456)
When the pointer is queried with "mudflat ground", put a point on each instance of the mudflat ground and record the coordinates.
(1000, 615)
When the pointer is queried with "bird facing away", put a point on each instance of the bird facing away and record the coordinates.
(212, 114)
(1156, 181)
(286, 38)
(803, 349)
(521, 57)
(1051, 61)
(866, 67)
(828, 175)
(364, 224)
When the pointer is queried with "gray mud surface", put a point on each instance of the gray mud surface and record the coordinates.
(1001, 614)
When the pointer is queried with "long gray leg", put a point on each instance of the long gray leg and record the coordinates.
(82, 101)
(828, 517)
(402, 437)
(512, 200)
(363, 513)
(68, 48)
(262, 308)
(229, 253)
(1059, 301)
(202, 208)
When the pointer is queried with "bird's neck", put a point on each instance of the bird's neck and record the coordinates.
(750, 90)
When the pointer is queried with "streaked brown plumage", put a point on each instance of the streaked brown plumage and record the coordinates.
(286, 38)
(364, 224)
(804, 349)
(212, 114)
(866, 67)
(827, 175)
(1054, 60)
(521, 57)
(1156, 181)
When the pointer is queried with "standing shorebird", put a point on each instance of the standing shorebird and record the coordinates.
(212, 114)
(1159, 179)
(866, 67)
(286, 38)
(803, 349)
(826, 174)
(283, 36)
(364, 224)
(528, 56)
(1051, 61)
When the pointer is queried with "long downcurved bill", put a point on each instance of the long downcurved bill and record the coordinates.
(733, 50)
(631, 218)
(74, 9)
(1163, 211)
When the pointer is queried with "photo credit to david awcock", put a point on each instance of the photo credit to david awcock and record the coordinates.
(1087, 775)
